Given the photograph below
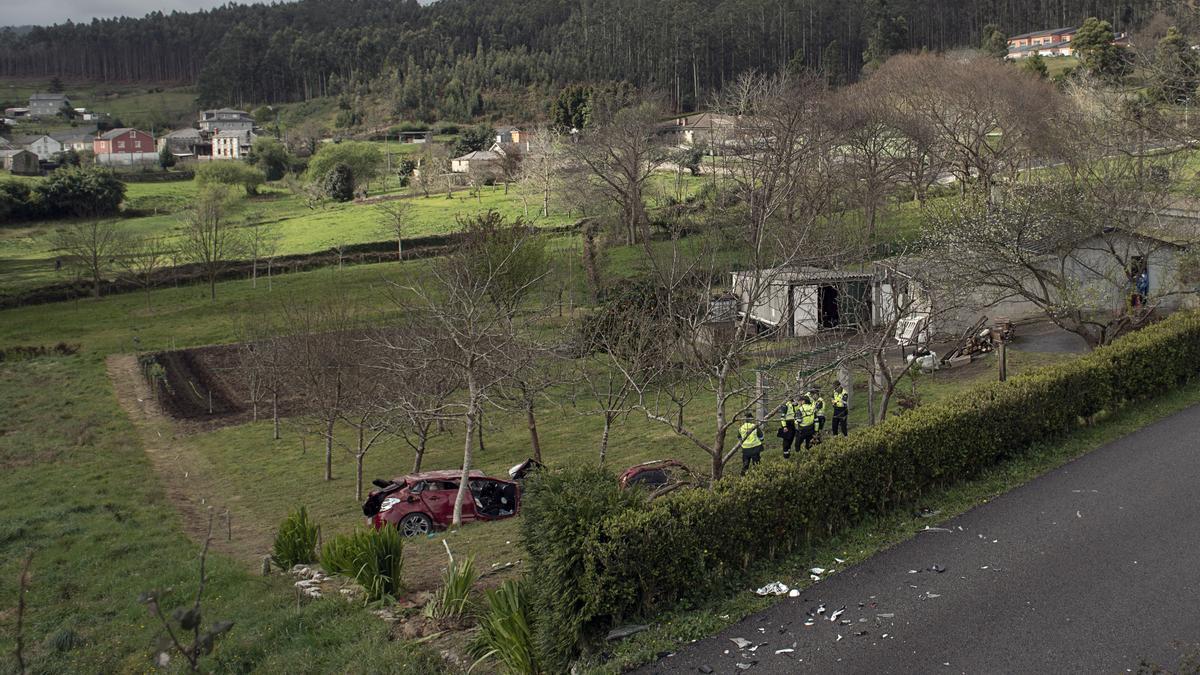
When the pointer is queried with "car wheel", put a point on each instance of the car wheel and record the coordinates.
(415, 525)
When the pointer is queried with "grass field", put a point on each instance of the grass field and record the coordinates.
(144, 106)
(27, 255)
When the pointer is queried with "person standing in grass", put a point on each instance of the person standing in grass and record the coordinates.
(807, 420)
(787, 425)
(841, 409)
(750, 437)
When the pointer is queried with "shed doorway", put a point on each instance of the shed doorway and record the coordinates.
(828, 310)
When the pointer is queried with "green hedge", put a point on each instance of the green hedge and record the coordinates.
(638, 561)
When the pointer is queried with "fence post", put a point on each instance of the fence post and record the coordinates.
(760, 390)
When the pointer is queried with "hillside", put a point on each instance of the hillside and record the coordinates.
(460, 58)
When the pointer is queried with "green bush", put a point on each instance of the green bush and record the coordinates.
(231, 173)
(504, 631)
(607, 565)
(79, 192)
(296, 541)
(373, 558)
(560, 510)
(338, 184)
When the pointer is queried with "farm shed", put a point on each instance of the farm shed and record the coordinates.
(802, 301)
(21, 162)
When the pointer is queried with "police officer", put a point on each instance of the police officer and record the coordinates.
(841, 409)
(750, 437)
(787, 425)
(819, 402)
(806, 416)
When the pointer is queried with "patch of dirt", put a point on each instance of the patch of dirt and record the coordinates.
(185, 474)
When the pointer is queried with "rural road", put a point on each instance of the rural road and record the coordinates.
(1092, 568)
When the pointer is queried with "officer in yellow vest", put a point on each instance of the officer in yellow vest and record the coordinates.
(806, 419)
(819, 402)
(841, 409)
(750, 438)
(787, 425)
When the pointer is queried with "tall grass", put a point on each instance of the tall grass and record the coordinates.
(296, 541)
(504, 631)
(373, 558)
(453, 599)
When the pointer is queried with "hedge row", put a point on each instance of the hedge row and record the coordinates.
(689, 544)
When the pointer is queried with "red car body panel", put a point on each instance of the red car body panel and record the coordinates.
(433, 493)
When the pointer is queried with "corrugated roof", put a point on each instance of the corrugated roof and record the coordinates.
(109, 135)
(1036, 33)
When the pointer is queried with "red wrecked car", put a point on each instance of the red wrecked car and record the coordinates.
(419, 503)
(660, 477)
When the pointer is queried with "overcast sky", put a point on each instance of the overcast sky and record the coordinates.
(23, 12)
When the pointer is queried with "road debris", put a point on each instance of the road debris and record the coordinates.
(788, 650)
(624, 632)
(937, 529)
(773, 588)
(937, 569)
(706, 669)
(817, 570)
(794, 593)
(885, 616)
(741, 643)
(837, 613)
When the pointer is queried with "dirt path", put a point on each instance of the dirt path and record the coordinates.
(186, 475)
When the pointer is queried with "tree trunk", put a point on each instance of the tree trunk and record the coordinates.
(399, 248)
(212, 286)
(329, 450)
(533, 432)
(96, 286)
(604, 438)
(275, 413)
(420, 455)
(358, 466)
(468, 448)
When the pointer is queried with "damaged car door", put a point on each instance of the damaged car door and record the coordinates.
(494, 499)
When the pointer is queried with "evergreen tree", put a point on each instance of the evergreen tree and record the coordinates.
(995, 42)
(1036, 65)
(1175, 72)
(1095, 46)
(166, 159)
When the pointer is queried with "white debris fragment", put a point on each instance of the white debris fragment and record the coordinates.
(839, 638)
(741, 643)
(817, 570)
(794, 593)
(773, 588)
(784, 651)
(839, 561)
(836, 614)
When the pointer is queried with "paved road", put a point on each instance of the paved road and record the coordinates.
(1091, 569)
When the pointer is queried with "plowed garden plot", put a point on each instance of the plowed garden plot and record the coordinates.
(206, 386)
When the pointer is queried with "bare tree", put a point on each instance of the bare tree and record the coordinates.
(141, 260)
(210, 239)
(990, 120)
(458, 327)
(618, 155)
(395, 216)
(262, 241)
(873, 149)
(541, 168)
(90, 247)
(321, 360)
(417, 403)
(782, 179)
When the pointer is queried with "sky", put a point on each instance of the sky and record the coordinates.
(26, 12)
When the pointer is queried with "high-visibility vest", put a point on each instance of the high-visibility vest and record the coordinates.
(839, 399)
(789, 414)
(820, 404)
(808, 414)
(750, 436)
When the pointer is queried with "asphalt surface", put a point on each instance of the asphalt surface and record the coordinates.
(1092, 568)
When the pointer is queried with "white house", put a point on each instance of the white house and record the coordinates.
(232, 144)
(479, 160)
(76, 140)
(44, 146)
(225, 119)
